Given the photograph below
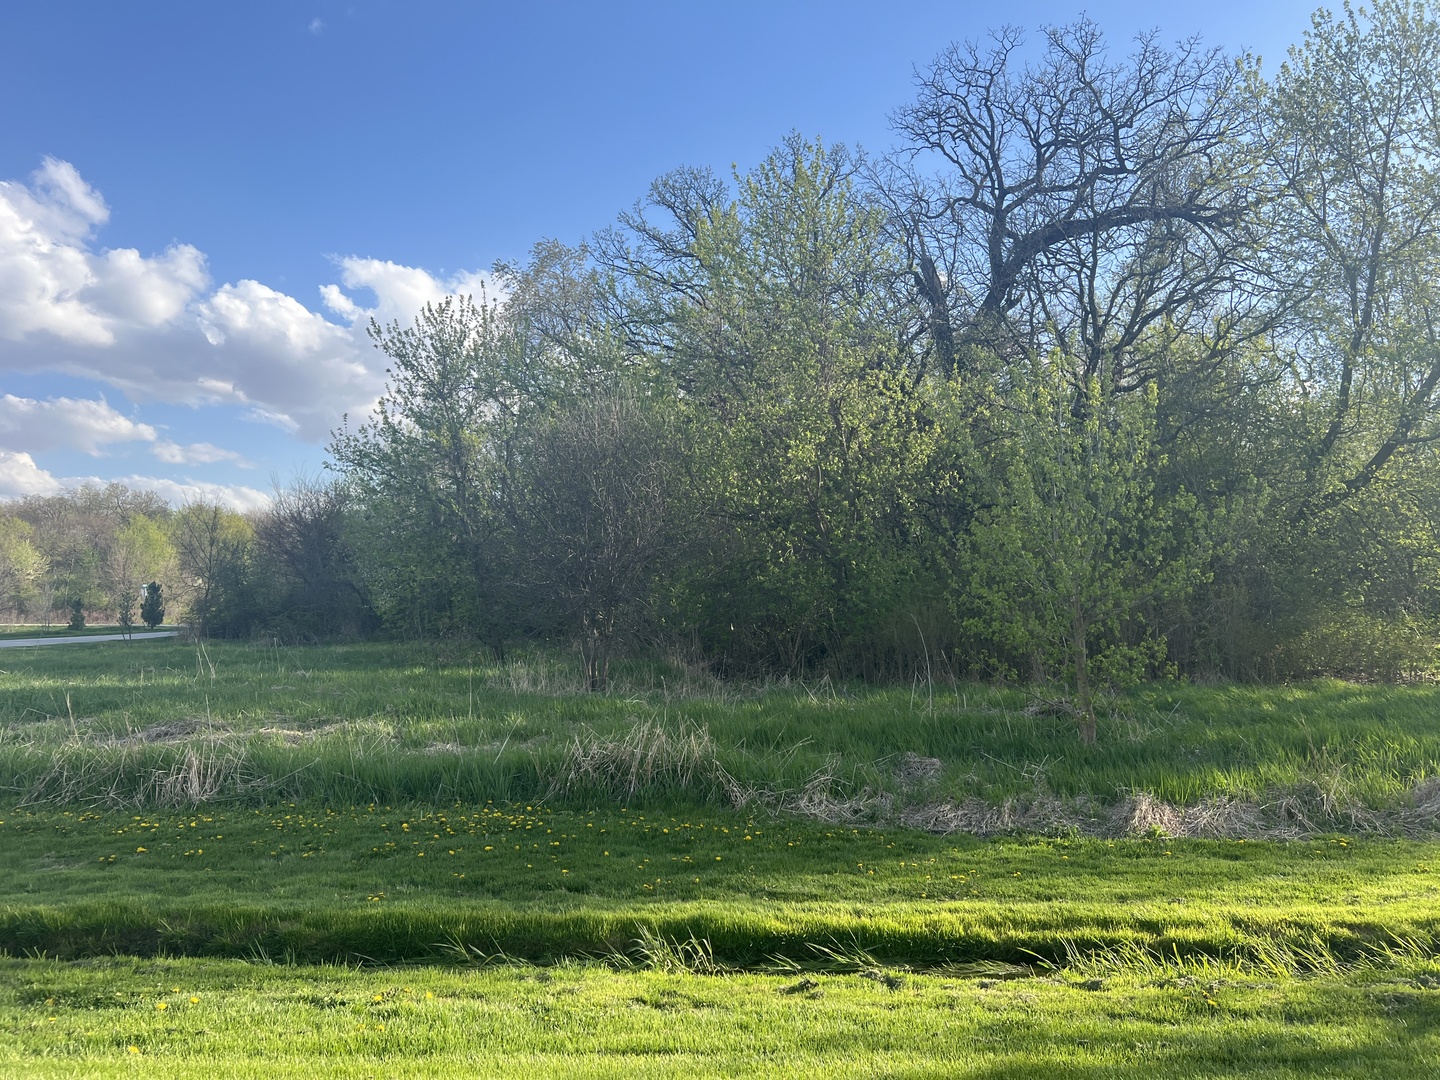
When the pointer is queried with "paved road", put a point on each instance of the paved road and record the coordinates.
(15, 643)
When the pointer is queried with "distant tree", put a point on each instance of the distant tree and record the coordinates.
(139, 551)
(214, 546)
(77, 614)
(23, 568)
(125, 612)
(152, 608)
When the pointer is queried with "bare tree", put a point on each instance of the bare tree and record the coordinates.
(301, 537)
(1084, 203)
(595, 519)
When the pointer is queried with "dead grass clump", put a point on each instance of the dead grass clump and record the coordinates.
(204, 774)
(1041, 706)
(1142, 814)
(127, 776)
(179, 730)
(912, 770)
(1222, 818)
(1041, 814)
(822, 798)
(1292, 814)
(649, 757)
(1424, 812)
(171, 730)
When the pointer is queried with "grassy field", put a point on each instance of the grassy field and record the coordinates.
(390, 723)
(203, 1018)
(394, 885)
(388, 859)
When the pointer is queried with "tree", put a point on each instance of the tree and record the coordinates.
(1353, 126)
(22, 567)
(1084, 204)
(429, 466)
(139, 551)
(596, 518)
(152, 608)
(214, 547)
(1077, 541)
(303, 536)
(770, 311)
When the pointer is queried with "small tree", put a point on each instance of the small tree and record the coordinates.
(77, 614)
(593, 514)
(1079, 541)
(152, 608)
(125, 610)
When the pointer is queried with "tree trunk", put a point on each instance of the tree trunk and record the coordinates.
(1081, 660)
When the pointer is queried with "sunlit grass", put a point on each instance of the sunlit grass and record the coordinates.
(358, 723)
(412, 883)
(189, 1018)
(425, 825)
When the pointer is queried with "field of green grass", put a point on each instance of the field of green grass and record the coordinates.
(358, 724)
(208, 1019)
(245, 860)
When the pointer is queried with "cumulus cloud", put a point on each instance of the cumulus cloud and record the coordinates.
(153, 326)
(28, 425)
(180, 492)
(20, 476)
(202, 453)
(52, 283)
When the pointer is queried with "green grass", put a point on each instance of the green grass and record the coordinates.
(353, 858)
(398, 723)
(228, 1018)
(407, 884)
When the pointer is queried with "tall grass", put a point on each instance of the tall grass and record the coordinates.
(165, 722)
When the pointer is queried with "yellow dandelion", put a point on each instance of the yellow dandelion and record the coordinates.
(194, 1001)
(134, 1049)
(162, 1006)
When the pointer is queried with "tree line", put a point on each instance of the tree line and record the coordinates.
(1124, 362)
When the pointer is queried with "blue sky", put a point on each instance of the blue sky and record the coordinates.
(201, 204)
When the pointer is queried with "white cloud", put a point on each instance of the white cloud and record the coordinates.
(19, 476)
(152, 326)
(28, 425)
(202, 453)
(52, 283)
(401, 291)
(180, 492)
(317, 25)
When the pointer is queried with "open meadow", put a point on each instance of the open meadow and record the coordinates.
(241, 860)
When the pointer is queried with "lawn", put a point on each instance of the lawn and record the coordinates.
(401, 884)
(208, 1018)
(385, 859)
